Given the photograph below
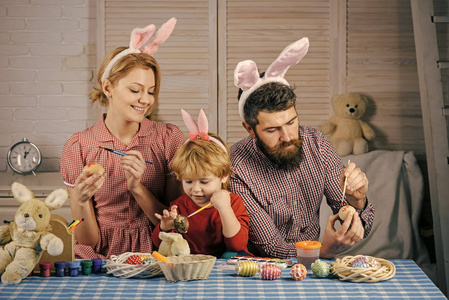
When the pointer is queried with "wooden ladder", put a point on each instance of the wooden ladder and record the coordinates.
(434, 113)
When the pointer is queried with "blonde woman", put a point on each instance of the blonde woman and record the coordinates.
(118, 206)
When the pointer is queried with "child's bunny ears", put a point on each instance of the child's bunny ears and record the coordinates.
(198, 131)
(142, 42)
(246, 75)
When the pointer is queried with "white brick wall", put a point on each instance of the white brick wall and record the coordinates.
(47, 68)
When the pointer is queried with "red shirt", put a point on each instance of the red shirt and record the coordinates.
(205, 234)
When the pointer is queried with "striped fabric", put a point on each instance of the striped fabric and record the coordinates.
(284, 205)
(410, 282)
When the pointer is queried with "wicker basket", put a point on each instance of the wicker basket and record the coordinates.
(187, 267)
(117, 267)
(383, 271)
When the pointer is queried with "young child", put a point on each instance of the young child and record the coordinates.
(203, 166)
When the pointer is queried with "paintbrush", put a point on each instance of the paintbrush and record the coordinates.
(200, 209)
(344, 187)
(120, 153)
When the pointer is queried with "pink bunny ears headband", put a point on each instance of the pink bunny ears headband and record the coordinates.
(143, 42)
(246, 75)
(198, 131)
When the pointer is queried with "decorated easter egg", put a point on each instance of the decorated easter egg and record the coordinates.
(364, 262)
(270, 272)
(134, 260)
(344, 211)
(320, 268)
(149, 260)
(298, 272)
(246, 268)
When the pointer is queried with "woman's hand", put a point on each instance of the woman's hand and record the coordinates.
(167, 218)
(87, 185)
(134, 166)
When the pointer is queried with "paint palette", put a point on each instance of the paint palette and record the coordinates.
(281, 263)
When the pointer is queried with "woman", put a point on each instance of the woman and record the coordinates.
(118, 206)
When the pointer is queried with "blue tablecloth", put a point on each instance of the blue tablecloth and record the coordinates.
(410, 282)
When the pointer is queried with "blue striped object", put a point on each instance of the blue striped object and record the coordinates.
(410, 282)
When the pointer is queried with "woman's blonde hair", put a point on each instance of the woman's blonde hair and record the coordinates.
(202, 158)
(122, 68)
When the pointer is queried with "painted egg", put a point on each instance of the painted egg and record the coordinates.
(320, 268)
(149, 260)
(365, 262)
(181, 224)
(270, 272)
(298, 272)
(246, 268)
(134, 260)
(344, 211)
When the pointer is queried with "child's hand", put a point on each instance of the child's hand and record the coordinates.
(167, 218)
(221, 200)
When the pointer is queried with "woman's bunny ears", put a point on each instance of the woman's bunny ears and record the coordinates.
(143, 42)
(198, 131)
(246, 75)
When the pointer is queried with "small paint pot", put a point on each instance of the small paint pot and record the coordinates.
(74, 268)
(96, 265)
(86, 267)
(60, 268)
(45, 267)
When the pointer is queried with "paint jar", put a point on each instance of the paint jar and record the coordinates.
(96, 265)
(45, 267)
(60, 268)
(308, 252)
(74, 268)
(86, 267)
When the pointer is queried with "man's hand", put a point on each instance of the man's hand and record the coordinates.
(356, 185)
(337, 241)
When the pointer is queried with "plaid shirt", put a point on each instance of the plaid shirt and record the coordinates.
(284, 205)
(123, 225)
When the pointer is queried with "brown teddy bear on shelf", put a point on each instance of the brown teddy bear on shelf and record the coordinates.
(29, 235)
(346, 131)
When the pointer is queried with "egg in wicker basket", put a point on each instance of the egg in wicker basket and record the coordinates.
(147, 267)
(187, 267)
(363, 268)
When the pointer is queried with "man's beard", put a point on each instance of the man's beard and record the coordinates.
(285, 159)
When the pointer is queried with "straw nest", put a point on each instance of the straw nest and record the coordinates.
(382, 270)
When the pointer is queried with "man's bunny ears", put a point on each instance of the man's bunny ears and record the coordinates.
(246, 75)
(198, 131)
(143, 42)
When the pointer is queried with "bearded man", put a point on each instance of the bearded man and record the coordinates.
(282, 170)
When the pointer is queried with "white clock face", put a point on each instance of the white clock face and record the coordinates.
(25, 157)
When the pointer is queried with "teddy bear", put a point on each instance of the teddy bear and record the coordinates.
(173, 244)
(28, 235)
(346, 131)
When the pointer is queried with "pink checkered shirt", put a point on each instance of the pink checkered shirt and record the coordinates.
(284, 205)
(123, 225)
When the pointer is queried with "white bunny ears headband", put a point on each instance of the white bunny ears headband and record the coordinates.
(143, 42)
(198, 131)
(246, 75)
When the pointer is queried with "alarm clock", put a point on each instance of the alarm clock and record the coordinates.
(24, 157)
